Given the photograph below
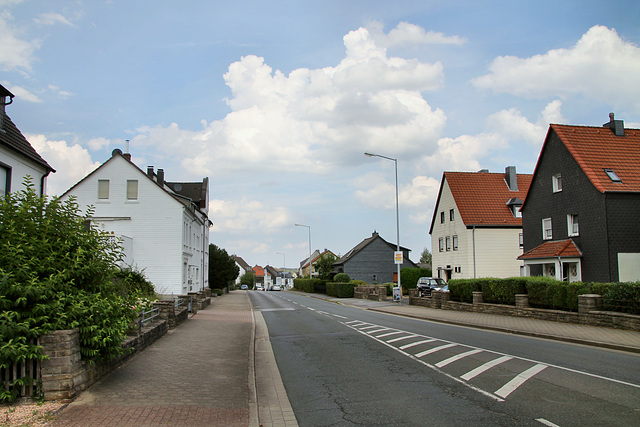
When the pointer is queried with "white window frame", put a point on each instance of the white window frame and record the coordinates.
(573, 225)
(452, 215)
(441, 244)
(442, 217)
(103, 189)
(448, 243)
(455, 242)
(547, 229)
(556, 181)
(5, 183)
(521, 240)
(132, 189)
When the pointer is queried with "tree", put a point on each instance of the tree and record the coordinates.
(324, 265)
(222, 268)
(425, 257)
(248, 278)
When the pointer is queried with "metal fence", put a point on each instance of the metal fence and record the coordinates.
(149, 315)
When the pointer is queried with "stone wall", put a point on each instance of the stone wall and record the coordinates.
(589, 310)
(371, 292)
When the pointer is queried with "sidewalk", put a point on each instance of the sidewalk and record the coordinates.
(216, 369)
(581, 334)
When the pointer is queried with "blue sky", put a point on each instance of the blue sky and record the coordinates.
(276, 102)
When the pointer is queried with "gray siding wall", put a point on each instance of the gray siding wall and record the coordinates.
(375, 259)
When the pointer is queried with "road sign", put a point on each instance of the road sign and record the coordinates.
(397, 256)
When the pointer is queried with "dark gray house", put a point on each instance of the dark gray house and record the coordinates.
(580, 217)
(372, 261)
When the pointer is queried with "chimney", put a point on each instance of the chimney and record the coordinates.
(150, 171)
(4, 93)
(161, 177)
(126, 154)
(511, 177)
(617, 126)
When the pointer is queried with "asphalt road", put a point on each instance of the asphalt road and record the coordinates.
(346, 366)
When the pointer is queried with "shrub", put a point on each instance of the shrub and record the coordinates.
(342, 277)
(409, 276)
(389, 287)
(134, 282)
(462, 289)
(340, 290)
(217, 291)
(359, 283)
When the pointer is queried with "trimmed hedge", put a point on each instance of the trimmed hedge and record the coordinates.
(340, 289)
(342, 278)
(545, 292)
(409, 276)
(310, 285)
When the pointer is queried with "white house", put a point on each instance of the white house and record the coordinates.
(242, 266)
(163, 226)
(17, 157)
(476, 230)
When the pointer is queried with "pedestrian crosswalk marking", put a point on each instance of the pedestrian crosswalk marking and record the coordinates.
(457, 357)
(520, 379)
(480, 369)
(413, 344)
(435, 349)
(406, 337)
(389, 334)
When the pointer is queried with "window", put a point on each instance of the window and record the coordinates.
(441, 244)
(572, 225)
(547, 232)
(521, 240)
(441, 217)
(5, 180)
(132, 189)
(557, 183)
(455, 242)
(451, 215)
(103, 189)
(612, 175)
(457, 269)
(448, 243)
(516, 211)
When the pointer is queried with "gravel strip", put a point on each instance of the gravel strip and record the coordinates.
(28, 413)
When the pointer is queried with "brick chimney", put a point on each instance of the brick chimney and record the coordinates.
(511, 178)
(160, 178)
(617, 126)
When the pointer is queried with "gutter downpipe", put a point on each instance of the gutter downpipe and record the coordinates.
(474, 251)
(42, 182)
(560, 266)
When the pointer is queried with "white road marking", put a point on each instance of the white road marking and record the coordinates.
(413, 344)
(389, 334)
(520, 379)
(339, 317)
(406, 337)
(480, 369)
(546, 422)
(435, 349)
(379, 330)
(457, 357)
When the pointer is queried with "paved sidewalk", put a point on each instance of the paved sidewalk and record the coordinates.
(581, 334)
(203, 373)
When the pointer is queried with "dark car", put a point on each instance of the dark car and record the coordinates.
(427, 284)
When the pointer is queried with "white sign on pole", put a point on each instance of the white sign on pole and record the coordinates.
(397, 256)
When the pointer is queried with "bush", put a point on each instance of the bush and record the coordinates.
(217, 291)
(342, 277)
(310, 285)
(359, 283)
(389, 287)
(134, 282)
(57, 273)
(462, 289)
(340, 289)
(409, 276)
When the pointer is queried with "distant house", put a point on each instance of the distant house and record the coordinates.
(163, 226)
(243, 266)
(315, 256)
(17, 157)
(372, 260)
(580, 217)
(260, 274)
(476, 228)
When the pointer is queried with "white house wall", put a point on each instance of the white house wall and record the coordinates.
(153, 223)
(496, 252)
(20, 168)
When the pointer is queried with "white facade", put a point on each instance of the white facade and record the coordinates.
(161, 235)
(14, 168)
(459, 252)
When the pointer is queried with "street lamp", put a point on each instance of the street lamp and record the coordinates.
(309, 227)
(395, 161)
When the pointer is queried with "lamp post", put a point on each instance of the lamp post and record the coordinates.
(395, 162)
(309, 227)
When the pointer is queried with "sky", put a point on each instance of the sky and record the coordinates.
(277, 102)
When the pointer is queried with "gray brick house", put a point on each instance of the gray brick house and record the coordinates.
(581, 214)
(372, 261)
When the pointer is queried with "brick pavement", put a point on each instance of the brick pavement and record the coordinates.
(199, 374)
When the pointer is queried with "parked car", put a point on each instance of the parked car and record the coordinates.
(259, 288)
(276, 288)
(244, 287)
(427, 284)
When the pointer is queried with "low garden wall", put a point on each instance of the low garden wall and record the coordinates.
(589, 310)
(371, 292)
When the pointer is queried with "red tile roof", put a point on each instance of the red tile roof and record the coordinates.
(559, 248)
(598, 148)
(481, 197)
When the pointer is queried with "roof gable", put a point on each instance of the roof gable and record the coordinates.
(596, 149)
(366, 242)
(483, 198)
(560, 248)
(15, 140)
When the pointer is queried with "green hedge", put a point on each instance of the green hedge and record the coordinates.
(310, 285)
(409, 276)
(545, 292)
(340, 289)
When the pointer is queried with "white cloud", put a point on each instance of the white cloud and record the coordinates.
(22, 93)
(51, 18)
(95, 144)
(244, 215)
(71, 162)
(15, 53)
(407, 34)
(514, 126)
(601, 66)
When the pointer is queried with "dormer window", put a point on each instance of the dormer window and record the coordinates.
(514, 205)
(612, 175)
(556, 180)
